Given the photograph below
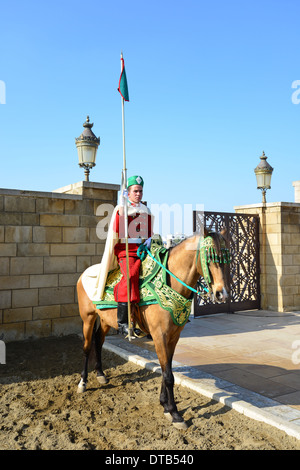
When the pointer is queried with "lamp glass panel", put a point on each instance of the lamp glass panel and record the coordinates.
(79, 150)
(268, 180)
(88, 154)
(263, 180)
(260, 180)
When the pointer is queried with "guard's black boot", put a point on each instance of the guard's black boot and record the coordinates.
(123, 318)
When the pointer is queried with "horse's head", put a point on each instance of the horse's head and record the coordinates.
(214, 256)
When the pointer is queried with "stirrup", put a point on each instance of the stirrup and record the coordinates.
(126, 333)
(138, 333)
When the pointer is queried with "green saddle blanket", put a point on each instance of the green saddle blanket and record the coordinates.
(153, 287)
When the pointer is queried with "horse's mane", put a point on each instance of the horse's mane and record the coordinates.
(180, 244)
(216, 236)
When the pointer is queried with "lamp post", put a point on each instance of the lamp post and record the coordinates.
(87, 144)
(263, 173)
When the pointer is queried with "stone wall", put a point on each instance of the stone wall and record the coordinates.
(46, 241)
(279, 236)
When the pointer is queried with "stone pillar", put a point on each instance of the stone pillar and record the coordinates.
(89, 190)
(279, 237)
(296, 185)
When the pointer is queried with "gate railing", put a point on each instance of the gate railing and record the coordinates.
(243, 272)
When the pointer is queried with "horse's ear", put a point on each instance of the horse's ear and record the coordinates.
(205, 232)
(224, 232)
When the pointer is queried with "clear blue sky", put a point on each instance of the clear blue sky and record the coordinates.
(210, 86)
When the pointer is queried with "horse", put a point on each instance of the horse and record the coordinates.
(184, 263)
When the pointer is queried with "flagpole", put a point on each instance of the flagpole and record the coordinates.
(126, 214)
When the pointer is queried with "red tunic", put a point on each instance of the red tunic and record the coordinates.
(139, 226)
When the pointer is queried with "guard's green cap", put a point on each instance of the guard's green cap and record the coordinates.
(135, 180)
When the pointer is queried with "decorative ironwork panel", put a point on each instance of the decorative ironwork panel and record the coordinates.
(243, 273)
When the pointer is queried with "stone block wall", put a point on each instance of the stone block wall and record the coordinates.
(279, 237)
(46, 241)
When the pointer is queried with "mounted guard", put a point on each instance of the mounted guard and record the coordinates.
(164, 301)
(140, 225)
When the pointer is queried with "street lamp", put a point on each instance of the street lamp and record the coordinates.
(87, 144)
(263, 173)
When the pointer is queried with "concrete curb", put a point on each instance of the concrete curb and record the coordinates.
(248, 403)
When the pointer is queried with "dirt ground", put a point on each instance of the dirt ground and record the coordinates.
(40, 408)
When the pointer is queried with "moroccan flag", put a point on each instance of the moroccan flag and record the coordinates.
(123, 88)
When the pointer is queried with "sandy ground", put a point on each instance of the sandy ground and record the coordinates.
(41, 409)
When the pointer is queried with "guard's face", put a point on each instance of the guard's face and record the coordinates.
(135, 193)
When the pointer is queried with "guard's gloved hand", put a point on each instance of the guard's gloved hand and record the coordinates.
(147, 243)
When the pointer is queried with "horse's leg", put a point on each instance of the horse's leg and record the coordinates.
(165, 337)
(87, 335)
(88, 315)
(100, 334)
(167, 399)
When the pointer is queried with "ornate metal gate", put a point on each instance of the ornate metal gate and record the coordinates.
(243, 271)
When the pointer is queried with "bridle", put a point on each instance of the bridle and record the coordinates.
(207, 252)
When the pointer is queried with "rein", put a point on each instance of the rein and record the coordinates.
(141, 254)
(207, 253)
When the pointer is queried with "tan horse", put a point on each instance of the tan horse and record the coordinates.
(153, 319)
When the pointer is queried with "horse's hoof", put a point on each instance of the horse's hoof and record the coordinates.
(81, 387)
(168, 416)
(176, 424)
(102, 380)
(180, 425)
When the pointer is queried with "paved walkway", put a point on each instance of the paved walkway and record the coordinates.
(247, 360)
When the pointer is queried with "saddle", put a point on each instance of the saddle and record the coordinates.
(153, 286)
